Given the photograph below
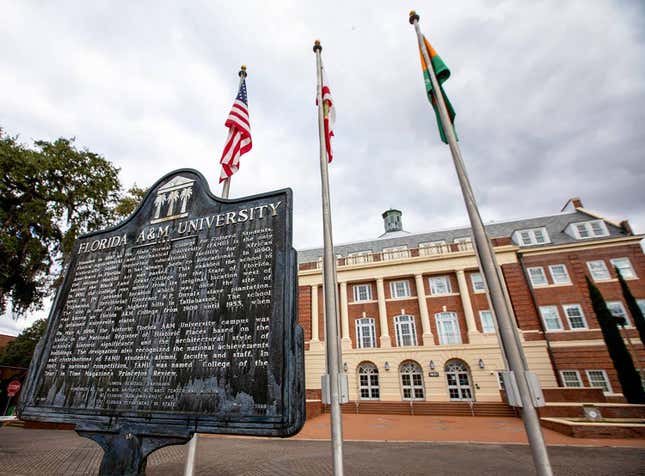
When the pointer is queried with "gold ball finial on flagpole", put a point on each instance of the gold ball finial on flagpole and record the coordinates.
(413, 17)
(317, 46)
(242, 73)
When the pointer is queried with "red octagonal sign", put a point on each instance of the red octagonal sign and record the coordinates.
(13, 388)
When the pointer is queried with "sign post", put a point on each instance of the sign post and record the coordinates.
(182, 319)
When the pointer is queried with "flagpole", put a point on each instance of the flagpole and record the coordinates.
(226, 185)
(329, 276)
(507, 331)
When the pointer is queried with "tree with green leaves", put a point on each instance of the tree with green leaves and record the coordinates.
(629, 379)
(632, 305)
(18, 352)
(50, 193)
(128, 202)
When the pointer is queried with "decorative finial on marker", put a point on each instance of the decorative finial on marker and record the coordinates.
(317, 46)
(242, 73)
(413, 17)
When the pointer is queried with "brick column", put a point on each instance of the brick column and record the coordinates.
(382, 314)
(467, 305)
(428, 339)
(346, 342)
(314, 343)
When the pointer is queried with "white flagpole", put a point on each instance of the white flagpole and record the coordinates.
(508, 333)
(226, 185)
(329, 276)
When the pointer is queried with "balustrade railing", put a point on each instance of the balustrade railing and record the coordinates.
(371, 257)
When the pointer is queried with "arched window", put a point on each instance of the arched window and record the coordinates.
(412, 381)
(368, 381)
(458, 376)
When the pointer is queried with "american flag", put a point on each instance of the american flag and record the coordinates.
(238, 141)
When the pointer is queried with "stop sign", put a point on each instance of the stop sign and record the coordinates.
(13, 388)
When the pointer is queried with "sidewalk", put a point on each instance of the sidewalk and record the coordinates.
(444, 429)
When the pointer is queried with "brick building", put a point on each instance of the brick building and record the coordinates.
(415, 320)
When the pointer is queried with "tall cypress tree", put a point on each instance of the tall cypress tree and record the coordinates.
(634, 309)
(629, 379)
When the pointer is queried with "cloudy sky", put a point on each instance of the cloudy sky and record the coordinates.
(550, 101)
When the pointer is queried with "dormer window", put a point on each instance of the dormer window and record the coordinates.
(531, 236)
(587, 229)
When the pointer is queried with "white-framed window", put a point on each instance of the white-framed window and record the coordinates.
(396, 252)
(559, 274)
(406, 333)
(365, 333)
(531, 236)
(411, 381)
(575, 316)
(464, 243)
(400, 289)
(359, 257)
(598, 270)
(537, 276)
(440, 285)
(368, 387)
(551, 318)
(448, 328)
(587, 229)
(478, 282)
(362, 292)
(571, 378)
(458, 379)
(486, 318)
(598, 378)
(624, 267)
(433, 248)
(618, 310)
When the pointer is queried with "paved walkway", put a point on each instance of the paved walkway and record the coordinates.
(444, 429)
(57, 452)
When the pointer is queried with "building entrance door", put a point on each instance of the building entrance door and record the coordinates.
(459, 384)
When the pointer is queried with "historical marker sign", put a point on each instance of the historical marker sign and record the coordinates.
(181, 319)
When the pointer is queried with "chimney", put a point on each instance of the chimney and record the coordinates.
(392, 220)
(575, 201)
(627, 227)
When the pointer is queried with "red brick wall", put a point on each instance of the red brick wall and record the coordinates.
(478, 300)
(577, 293)
(518, 290)
(5, 339)
(452, 303)
(304, 312)
(321, 314)
(583, 358)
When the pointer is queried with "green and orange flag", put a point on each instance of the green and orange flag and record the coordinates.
(443, 73)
